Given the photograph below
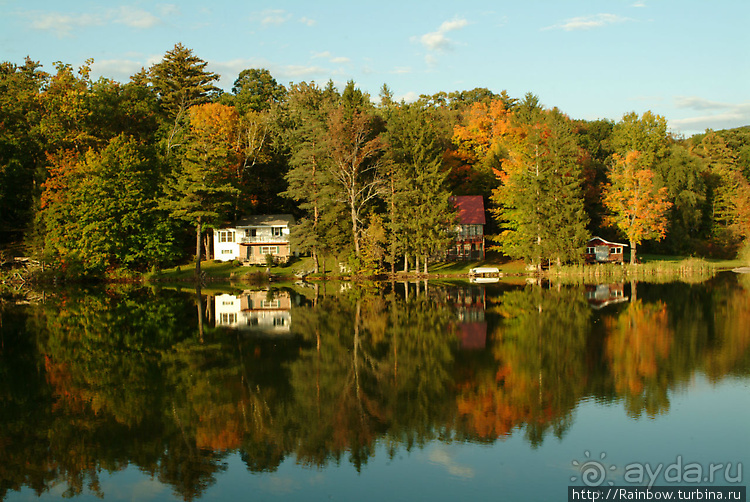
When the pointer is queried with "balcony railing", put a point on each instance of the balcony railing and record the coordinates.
(260, 239)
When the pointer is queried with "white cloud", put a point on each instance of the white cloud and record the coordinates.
(442, 457)
(274, 17)
(307, 21)
(588, 22)
(714, 114)
(134, 17)
(118, 69)
(301, 71)
(639, 4)
(168, 9)
(408, 97)
(438, 40)
(62, 25)
(330, 57)
(696, 103)
(401, 70)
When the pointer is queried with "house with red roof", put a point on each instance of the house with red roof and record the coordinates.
(469, 231)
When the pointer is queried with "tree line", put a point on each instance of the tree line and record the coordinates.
(98, 176)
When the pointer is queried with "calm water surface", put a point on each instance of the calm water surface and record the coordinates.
(441, 392)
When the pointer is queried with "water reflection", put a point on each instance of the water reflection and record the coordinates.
(130, 376)
(266, 310)
(602, 295)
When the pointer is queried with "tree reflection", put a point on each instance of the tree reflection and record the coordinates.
(539, 372)
(124, 377)
(638, 348)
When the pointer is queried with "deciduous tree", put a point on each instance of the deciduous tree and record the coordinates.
(637, 206)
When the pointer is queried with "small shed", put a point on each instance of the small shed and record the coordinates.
(599, 250)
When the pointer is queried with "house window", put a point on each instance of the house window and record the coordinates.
(230, 318)
(226, 236)
(269, 250)
(590, 250)
(279, 321)
(226, 251)
(276, 231)
(270, 304)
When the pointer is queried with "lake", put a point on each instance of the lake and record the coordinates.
(334, 391)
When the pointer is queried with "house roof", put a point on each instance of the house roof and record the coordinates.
(470, 209)
(606, 242)
(266, 220)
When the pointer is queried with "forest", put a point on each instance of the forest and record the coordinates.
(98, 176)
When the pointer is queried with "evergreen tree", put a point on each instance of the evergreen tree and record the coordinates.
(309, 180)
(200, 193)
(420, 214)
(181, 81)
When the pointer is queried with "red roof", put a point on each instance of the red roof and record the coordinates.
(470, 209)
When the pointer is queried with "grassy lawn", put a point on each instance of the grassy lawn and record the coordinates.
(722, 264)
(223, 271)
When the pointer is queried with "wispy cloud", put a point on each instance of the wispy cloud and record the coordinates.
(401, 70)
(712, 114)
(331, 58)
(588, 22)
(134, 17)
(64, 25)
(438, 40)
(274, 17)
(639, 4)
(307, 21)
(442, 457)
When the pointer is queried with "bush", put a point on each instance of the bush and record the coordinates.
(744, 253)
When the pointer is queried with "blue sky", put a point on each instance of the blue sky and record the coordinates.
(687, 60)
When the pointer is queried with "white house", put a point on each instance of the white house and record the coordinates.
(250, 239)
(256, 311)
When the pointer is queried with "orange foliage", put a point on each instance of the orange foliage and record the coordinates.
(62, 167)
(639, 342)
(487, 126)
(637, 207)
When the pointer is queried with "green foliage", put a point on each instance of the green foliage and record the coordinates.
(336, 161)
(21, 146)
(255, 89)
(181, 81)
(102, 211)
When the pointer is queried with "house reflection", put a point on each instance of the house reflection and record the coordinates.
(601, 295)
(267, 311)
(471, 326)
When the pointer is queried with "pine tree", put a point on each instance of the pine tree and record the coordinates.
(200, 193)
(181, 81)
(420, 214)
(308, 179)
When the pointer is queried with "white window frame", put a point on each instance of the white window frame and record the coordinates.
(226, 235)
